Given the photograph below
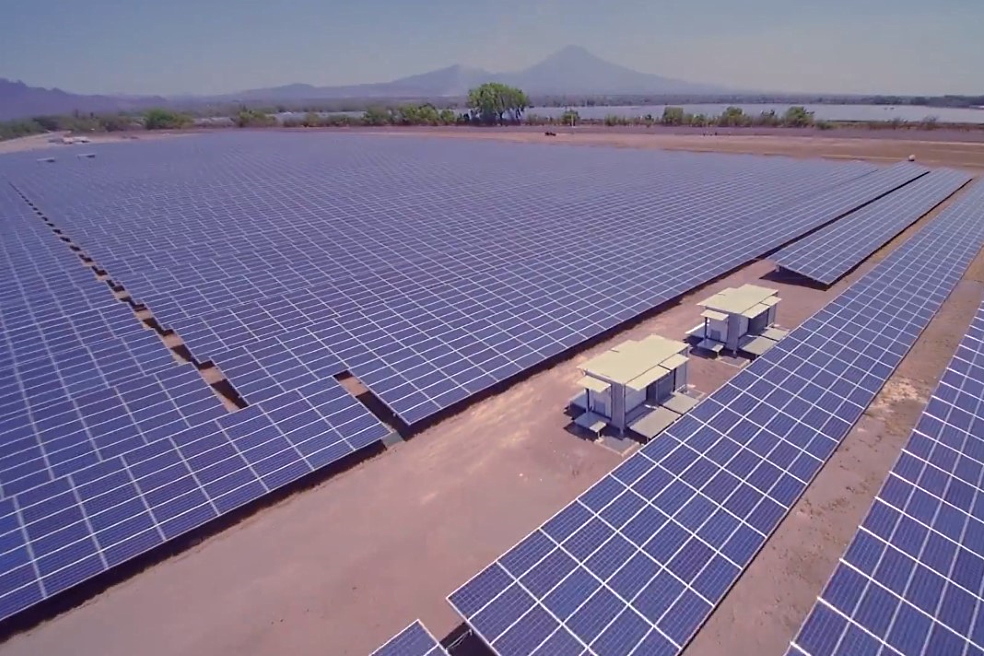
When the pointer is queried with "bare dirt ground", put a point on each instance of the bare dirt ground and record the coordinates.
(929, 148)
(339, 568)
(52, 141)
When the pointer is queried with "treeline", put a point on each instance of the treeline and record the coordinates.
(485, 110)
(69, 123)
(154, 119)
(408, 114)
(732, 117)
(735, 117)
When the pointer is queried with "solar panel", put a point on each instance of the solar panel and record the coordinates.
(59, 333)
(65, 531)
(638, 562)
(57, 438)
(415, 640)
(63, 374)
(910, 581)
(831, 252)
(266, 368)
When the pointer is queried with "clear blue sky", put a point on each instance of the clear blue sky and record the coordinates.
(212, 46)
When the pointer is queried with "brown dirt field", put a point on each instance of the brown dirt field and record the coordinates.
(965, 155)
(339, 568)
(43, 141)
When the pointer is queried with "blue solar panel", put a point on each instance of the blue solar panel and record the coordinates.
(910, 581)
(107, 448)
(831, 252)
(415, 640)
(74, 527)
(60, 437)
(63, 374)
(265, 368)
(429, 283)
(638, 562)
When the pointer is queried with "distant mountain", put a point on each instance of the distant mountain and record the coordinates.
(571, 71)
(18, 100)
(574, 70)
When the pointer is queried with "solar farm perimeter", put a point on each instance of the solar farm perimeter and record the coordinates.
(180, 318)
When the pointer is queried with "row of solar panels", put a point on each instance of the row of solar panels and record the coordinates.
(911, 580)
(638, 562)
(109, 448)
(829, 253)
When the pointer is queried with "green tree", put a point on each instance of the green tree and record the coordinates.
(165, 119)
(491, 102)
(447, 117)
(312, 120)
(797, 117)
(699, 121)
(734, 117)
(253, 118)
(570, 117)
(427, 115)
(672, 116)
(408, 115)
(115, 122)
(49, 123)
(377, 116)
(19, 128)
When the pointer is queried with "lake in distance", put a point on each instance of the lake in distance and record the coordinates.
(911, 113)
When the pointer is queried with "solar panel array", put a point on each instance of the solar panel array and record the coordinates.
(415, 640)
(60, 533)
(109, 448)
(637, 563)
(59, 438)
(829, 253)
(910, 581)
(431, 270)
(430, 282)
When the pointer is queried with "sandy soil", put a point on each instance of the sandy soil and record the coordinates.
(52, 141)
(341, 567)
(930, 149)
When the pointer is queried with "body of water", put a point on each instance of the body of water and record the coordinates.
(822, 112)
